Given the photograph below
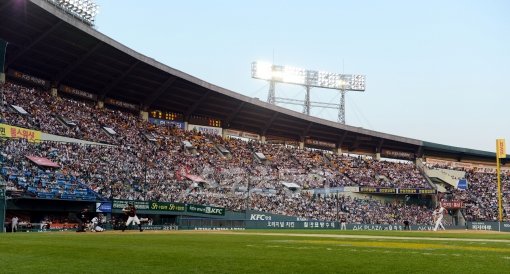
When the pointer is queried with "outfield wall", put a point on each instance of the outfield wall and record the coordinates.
(491, 226)
(204, 224)
(190, 216)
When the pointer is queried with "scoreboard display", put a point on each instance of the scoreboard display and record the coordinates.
(197, 120)
(214, 122)
(205, 121)
(165, 115)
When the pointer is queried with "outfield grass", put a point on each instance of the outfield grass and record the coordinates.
(254, 252)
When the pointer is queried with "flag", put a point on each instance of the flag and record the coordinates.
(500, 148)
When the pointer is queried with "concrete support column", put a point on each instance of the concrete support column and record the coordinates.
(338, 151)
(378, 156)
(263, 139)
(100, 104)
(2, 78)
(144, 115)
(54, 92)
(185, 125)
(301, 145)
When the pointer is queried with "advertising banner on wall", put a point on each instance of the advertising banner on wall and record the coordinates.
(77, 92)
(416, 191)
(168, 123)
(364, 189)
(121, 104)
(28, 78)
(209, 210)
(266, 216)
(167, 206)
(493, 226)
(384, 190)
(317, 143)
(313, 225)
(8, 131)
(206, 129)
(170, 207)
(105, 207)
(140, 205)
(243, 134)
(387, 153)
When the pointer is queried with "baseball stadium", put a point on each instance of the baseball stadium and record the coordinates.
(111, 161)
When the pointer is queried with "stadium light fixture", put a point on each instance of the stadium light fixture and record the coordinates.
(299, 76)
(85, 10)
(308, 79)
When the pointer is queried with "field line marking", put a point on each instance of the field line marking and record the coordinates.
(360, 236)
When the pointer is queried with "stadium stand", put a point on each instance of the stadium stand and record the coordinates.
(480, 199)
(138, 169)
(133, 159)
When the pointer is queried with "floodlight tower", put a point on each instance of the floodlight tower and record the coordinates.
(271, 93)
(307, 79)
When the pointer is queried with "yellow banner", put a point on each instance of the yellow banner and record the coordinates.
(7, 131)
(500, 148)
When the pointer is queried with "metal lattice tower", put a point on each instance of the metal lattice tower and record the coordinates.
(271, 93)
(341, 110)
(307, 79)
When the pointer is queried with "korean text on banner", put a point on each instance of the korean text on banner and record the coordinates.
(500, 148)
(7, 131)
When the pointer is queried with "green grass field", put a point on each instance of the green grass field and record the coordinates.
(255, 251)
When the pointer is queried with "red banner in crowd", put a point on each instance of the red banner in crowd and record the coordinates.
(452, 204)
(195, 178)
(41, 161)
(184, 171)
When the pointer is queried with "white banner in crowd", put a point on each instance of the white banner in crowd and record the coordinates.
(206, 129)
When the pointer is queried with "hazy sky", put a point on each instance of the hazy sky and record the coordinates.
(437, 71)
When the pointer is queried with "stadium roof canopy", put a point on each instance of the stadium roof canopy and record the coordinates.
(47, 43)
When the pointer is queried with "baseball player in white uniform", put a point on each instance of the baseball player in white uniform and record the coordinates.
(95, 225)
(438, 215)
(14, 224)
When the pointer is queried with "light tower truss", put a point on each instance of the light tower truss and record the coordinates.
(308, 79)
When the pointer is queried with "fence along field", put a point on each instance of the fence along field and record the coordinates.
(257, 252)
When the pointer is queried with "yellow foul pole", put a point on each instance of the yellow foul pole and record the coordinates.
(500, 153)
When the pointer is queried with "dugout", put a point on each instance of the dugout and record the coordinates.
(45, 213)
